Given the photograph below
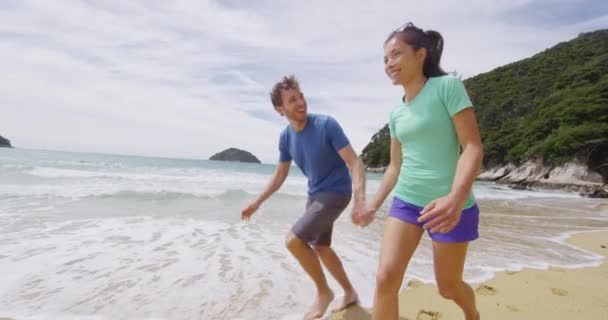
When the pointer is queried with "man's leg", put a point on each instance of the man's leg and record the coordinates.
(310, 262)
(315, 227)
(332, 263)
(333, 205)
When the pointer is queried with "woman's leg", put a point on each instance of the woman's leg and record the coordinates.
(399, 241)
(449, 259)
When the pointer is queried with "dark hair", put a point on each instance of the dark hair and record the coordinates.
(287, 83)
(431, 40)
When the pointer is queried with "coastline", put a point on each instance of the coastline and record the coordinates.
(533, 175)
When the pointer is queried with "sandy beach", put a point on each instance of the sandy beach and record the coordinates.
(555, 294)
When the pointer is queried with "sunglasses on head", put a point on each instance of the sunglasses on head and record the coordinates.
(406, 26)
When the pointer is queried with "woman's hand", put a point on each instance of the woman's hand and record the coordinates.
(443, 214)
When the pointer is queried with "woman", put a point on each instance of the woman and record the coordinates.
(430, 126)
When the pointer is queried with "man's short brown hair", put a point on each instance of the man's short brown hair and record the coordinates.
(287, 83)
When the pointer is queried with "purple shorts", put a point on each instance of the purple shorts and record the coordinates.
(466, 229)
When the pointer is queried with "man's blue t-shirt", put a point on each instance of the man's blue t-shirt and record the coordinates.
(315, 152)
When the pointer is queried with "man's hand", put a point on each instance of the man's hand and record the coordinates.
(248, 211)
(364, 217)
(358, 209)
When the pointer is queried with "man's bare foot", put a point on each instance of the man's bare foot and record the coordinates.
(350, 298)
(320, 306)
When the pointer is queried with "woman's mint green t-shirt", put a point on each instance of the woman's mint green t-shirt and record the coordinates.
(430, 147)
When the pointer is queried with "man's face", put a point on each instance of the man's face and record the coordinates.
(294, 105)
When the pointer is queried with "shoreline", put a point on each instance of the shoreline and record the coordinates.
(587, 190)
(566, 293)
(570, 177)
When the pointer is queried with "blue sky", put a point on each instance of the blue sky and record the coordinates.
(190, 78)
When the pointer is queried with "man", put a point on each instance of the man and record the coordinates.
(323, 153)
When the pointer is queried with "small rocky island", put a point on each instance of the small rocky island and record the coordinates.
(5, 143)
(234, 154)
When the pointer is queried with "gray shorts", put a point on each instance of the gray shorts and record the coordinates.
(317, 223)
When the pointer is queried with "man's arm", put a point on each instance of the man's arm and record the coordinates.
(275, 183)
(357, 172)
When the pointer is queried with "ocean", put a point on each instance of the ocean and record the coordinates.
(90, 236)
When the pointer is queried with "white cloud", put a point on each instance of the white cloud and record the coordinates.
(190, 78)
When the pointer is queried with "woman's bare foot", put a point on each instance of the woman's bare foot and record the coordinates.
(475, 317)
(350, 298)
(320, 306)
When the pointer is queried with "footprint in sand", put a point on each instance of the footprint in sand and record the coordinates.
(485, 290)
(428, 315)
(513, 308)
(559, 292)
(414, 283)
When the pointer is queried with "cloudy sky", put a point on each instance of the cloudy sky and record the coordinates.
(190, 78)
